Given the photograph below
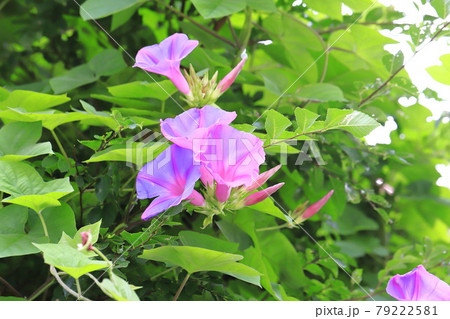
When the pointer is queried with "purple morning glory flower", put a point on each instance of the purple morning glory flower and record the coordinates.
(164, 58)
(171, 178)
(418, 284)
(194, 124)
(232, 157)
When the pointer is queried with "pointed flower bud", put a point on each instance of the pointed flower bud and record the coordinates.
(196, 198)
(226, 82)
(86, 240)
(261, 195)
(312, 209)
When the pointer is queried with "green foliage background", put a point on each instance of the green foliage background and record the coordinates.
(70, 102)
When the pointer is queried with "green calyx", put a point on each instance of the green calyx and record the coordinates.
(204, 91)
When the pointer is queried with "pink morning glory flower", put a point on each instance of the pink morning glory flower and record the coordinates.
(232, 157)
(418, 285)
(171, 178)
(164, 58)
(226, 82)
(194, 124)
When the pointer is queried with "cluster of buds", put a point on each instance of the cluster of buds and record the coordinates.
(220, 198)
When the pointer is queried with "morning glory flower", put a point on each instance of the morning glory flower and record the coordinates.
(194, 125)
(171, 178)
(418, 285)
(232, 157)
(164, 58)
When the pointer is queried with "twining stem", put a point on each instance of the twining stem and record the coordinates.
(65, 287)
(244, 36)
(325, 65)
(77, 282)
(273, 227)
(163, 272)
(99, 285)
(44, 225)
(7, 284)
(233, 33)
(61, 148)
(366, 297)
(41, 289)
(198, 25)
(98, 252)
(181, 287)
(294, 137)
(402, 67)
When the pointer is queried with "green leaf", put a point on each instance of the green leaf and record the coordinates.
(191, 238)
(441, 73)
(305, 119)
(332, 8)
(18, 141)
(218, 8)
(78, 76)
(32, 101)
(107, 62)
(276, 124)
(315, 270)
(140, 89)
(133, 152)
(353, 221)
(95, 9)
(268, 207)
(265, 5)
(27, 188)
(69, 259)
(14, 241)
(355, 122)
(194, 259)
(123, 16)
(119, 289)
(321, 92)
(51, 119)
(393, 62)
(442, 7)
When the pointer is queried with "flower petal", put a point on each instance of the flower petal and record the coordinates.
(193, 126)
(196, 198)
(232, 157)
(170, 177)
(177, 46)
(159, 205)
(418, 284)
